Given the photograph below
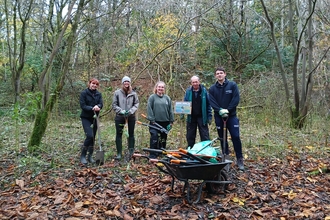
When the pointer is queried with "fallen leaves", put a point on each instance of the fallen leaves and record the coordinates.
(270, 188)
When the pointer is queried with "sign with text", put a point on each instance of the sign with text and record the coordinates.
(182, 108)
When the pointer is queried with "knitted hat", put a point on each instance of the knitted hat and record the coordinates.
(126, 78)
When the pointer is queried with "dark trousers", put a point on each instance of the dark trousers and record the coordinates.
(232, 126)
(120, 122)
(192, 131)
(157, 138)
(90, 128)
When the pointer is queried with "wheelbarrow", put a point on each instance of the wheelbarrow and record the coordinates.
(184, 166)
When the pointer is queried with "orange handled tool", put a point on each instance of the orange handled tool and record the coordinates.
(194, 156)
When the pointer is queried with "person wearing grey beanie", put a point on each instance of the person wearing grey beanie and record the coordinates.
(125, 79)
(125, 104)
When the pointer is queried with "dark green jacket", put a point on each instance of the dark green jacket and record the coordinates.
(206, 107)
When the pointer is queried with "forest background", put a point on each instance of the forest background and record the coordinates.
(276, 51)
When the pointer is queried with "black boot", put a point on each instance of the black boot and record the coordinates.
(83, 155)
(119, 148)
(90, 154)
(131, 145)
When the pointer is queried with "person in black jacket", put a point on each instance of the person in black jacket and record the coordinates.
(224, 98)
(91, 103)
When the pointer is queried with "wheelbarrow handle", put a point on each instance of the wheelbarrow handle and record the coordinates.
(173, 155)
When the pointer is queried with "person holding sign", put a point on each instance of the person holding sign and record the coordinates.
(201, 112)
(160, 113)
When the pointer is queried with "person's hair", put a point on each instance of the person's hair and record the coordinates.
(220, 68)
(96, 81)
(159, 82)
(194, 77)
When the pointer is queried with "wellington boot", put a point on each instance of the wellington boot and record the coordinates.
(83, 155)
(118, 157)
(131, 145)
(90, 155)
(119, 148)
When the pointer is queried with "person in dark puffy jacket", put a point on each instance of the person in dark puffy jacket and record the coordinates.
(224, 97)
(90, 103)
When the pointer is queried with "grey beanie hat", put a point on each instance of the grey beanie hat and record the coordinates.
(125, 78)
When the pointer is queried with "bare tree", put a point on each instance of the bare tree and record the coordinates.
(16, 38)
(42, 117)
(301, 98)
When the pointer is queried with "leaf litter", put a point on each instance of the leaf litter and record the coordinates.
(295, 187)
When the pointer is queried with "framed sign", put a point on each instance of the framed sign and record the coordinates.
(182, 108)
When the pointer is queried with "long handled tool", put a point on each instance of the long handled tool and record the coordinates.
(126, 127)
(161, 128)
(152, 126)
(224, 138)
(99, 156)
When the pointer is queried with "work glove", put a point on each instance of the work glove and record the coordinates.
(122, 112)
(169, 127)
(223, 112)
(182, 117)
(127, 113)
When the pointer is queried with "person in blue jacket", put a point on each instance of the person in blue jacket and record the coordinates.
(90, 103)
(224, 98)
(201, 112)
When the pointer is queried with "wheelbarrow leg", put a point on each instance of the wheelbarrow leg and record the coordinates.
(172, 184)
(199, 192)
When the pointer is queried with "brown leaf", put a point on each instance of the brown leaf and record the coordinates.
(156, 199)
(20, 183)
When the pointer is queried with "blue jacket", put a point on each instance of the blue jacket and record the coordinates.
(206, 107)
(224, 96)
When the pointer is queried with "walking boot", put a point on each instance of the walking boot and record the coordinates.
(119, 148)
(83, 155)
(90, 155)
(240, 164)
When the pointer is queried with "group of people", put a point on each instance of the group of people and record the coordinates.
(223, 97)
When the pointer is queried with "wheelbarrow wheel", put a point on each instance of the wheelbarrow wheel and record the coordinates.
(217, 188)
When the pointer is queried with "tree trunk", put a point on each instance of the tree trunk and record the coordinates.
(42, 117)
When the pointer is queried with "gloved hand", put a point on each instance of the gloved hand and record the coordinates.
(182, 117)
(169, 127)
(126, 113)
(223, 112)
(210, 121)
(122, 112)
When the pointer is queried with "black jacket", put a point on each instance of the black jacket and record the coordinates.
(88, 99)
(224, 96)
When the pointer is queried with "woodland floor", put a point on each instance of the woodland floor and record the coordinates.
(295, 187)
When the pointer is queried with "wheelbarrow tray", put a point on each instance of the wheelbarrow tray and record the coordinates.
(196, 171)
